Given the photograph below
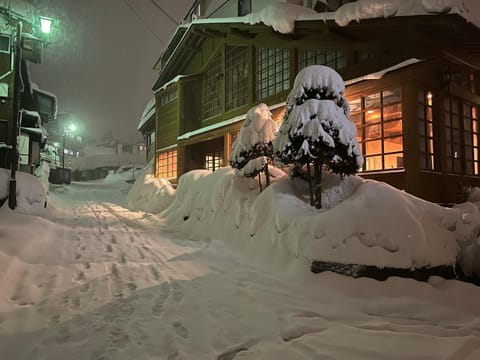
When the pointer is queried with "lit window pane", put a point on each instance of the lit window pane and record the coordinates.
(372, 101)
(373, 147)
(373, 163)
(372, 116)
(393, 144)
(391, 96)
(373, 132)
(392, 128)
(392, 112)
(393, 161)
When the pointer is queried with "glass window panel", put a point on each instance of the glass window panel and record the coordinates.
(373, 132)
(393, 144)
(448, 135)
(392, 112)
(431, 159)
(372, 101)
(423, 161)
(393, 161)
(373, 163)
(456, 136)
(429, 114)
(468, 139)
(448, 120)
(392, 128)
(474, 112)
(474, 126)
(421, 96)
(475, 168)
(373, 147)
(430, 129)
(372, 116)
(469, 153)
(392, 96)
(446, 105)
(469, 167)
(357, 119)
(454, 106)
(430, 146)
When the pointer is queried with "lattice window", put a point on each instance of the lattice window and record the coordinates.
(214, 161)
(236, 76)
(471, 137)
(378, 118)
(168, 97)
(453, 135)
(425, 130)
(273, 71)
(166, 165)
(333, 59)
(212, 86)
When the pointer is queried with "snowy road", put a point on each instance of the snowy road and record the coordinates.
(96, 281)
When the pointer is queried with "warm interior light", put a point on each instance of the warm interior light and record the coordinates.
(45, 25)
(429, 99)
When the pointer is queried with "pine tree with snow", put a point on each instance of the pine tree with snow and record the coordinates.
(316, 130)
(253, 150)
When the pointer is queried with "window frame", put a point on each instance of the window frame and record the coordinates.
(168, 169)
(270, 81)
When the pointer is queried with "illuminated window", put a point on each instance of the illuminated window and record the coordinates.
(166, 165)
(470, 135)
(425, 130)
(212, 85)
(214, 161)
(236, 76)
(273, 71)
(378, 118)
(333, 59)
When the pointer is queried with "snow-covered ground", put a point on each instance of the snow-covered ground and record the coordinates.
(90, 279)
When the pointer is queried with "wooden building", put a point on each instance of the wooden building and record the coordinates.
(412, 83)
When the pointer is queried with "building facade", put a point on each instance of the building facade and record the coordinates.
(412, 83)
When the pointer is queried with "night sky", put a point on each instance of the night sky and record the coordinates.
(100, 61)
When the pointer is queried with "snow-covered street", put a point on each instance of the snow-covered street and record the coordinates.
(97, 281)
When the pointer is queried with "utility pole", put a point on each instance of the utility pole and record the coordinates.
(16, 115)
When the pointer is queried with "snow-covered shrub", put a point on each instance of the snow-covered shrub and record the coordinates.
(253, 150)
(316, 129)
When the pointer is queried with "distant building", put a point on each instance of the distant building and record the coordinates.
(413, 84)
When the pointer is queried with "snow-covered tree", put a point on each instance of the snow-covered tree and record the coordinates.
(253, 149)
(316, 129)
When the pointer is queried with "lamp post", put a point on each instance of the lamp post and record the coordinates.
(12, 191)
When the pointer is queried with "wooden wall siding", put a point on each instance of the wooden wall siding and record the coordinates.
(190, 93)
(167, 117)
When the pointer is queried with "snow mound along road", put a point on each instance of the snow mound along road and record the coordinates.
(368, 223)
(31, 195)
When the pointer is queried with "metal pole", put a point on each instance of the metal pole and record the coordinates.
(63, 150)
(12, 193)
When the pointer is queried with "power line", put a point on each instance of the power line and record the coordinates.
(164, 12)
(142, 21)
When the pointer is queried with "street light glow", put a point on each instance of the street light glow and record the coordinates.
(45, 24)
(72, 127)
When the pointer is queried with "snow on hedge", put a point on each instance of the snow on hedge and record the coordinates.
(149, 193)
(31, 195)
(368, 222)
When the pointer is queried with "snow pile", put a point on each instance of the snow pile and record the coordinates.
(280, 16)
(371, 224)
(43, 173)
(149, 193)
(31, 195)
(124, 173)
(369, 9)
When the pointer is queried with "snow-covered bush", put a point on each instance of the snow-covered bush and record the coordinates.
(253, 150)
(316, 129)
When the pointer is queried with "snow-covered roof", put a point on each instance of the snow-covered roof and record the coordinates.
(168, 83)
(147, 113)
(221, 124)
(379, 74)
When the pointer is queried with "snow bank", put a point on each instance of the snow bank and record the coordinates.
(43, 173)
(371, 224)
(124, 173)
(280, 16)
(31, 195)
(149, 193)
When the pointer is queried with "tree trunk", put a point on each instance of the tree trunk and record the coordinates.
(267, 174)
(260, 182)
(317, 168)
(310, 186)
